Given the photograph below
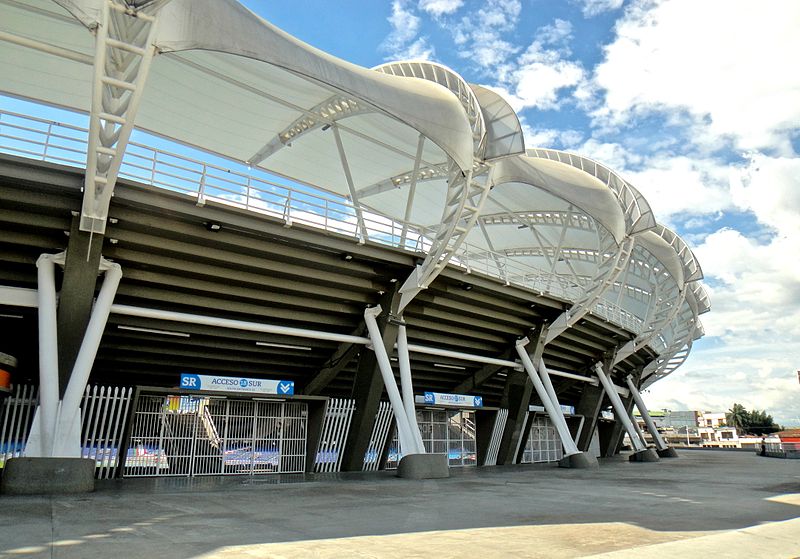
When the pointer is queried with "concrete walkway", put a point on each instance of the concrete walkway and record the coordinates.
(702, 504)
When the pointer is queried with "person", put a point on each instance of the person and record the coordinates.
(763, 446)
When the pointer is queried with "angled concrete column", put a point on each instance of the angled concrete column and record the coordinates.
(76, 297)
(516, 399)
(367, 390)
(589, 406)
(614, 443)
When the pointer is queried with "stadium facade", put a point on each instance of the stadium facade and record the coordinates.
(255, 257)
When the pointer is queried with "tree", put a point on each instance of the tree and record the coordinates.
(737, 417)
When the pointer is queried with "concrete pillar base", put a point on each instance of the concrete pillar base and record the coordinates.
(47, 476)
(423, 466)
(668, 452)
(580, 461)
(646, 455)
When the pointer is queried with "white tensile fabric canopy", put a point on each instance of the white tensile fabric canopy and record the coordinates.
(397, 140)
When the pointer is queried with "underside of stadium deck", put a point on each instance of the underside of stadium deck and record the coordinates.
(380, 243)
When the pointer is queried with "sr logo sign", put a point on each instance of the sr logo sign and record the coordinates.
(190, 381)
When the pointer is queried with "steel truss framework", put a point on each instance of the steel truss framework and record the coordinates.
(409, 143)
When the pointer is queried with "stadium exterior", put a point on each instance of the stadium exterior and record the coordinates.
(331, 253)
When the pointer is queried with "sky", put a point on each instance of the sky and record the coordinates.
(697, 104)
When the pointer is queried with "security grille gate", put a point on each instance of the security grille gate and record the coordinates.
(193, 435)
(450, 432)
(544, 444)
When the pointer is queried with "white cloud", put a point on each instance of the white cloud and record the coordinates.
(539, 75)
(755, 316)
(549, 137)
(723, 61)
(439, 8)
(593, 8)
(481, 33)
(402, 43)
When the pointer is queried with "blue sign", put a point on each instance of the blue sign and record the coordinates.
(286, 387)
(457, 400)
(237, 384)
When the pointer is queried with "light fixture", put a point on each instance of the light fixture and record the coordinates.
(152, 331)
(11, 316)
(445, 366)
(212, 226)
(283, 346)
(347, 257)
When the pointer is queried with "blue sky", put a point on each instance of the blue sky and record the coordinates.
(700, 112)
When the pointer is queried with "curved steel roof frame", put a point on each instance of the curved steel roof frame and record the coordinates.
(410, 141)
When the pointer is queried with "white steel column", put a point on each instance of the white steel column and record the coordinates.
(404, 434)
(123, 52)
(552, 410)
(56, 424)
(40, 441)
(350, 185)
(639, 431)
(619, 408)
(651, 425)
(407, 387)
(67, 441)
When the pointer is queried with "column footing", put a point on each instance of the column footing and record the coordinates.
(668, 452)
(580, 461)
(646, 455)
(47, 476)
(423, 466)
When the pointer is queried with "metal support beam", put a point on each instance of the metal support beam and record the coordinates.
(350, 185)
(123, 52)
(458, 217)
(552, 407)
(404, 362)
(40, 442)
(68, 428)
(620, 412)
(341, 358)
(56, 424)
(367, 391)
(482, 375)
(651, 425)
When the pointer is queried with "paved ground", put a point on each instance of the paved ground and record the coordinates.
(725, 504)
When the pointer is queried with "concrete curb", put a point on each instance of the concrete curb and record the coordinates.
(47, 476)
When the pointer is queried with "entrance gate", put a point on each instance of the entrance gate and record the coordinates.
(444, 431)
(203, 435)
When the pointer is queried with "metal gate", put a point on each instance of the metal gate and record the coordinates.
(200, 435)
(450, 432)
(544, 444)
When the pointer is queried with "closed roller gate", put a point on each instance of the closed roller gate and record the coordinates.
(200, 435)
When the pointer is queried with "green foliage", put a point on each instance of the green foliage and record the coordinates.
(757, 421)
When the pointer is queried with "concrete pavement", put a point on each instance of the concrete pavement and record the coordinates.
(731, 504)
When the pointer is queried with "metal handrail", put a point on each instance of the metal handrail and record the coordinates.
(258, 191)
